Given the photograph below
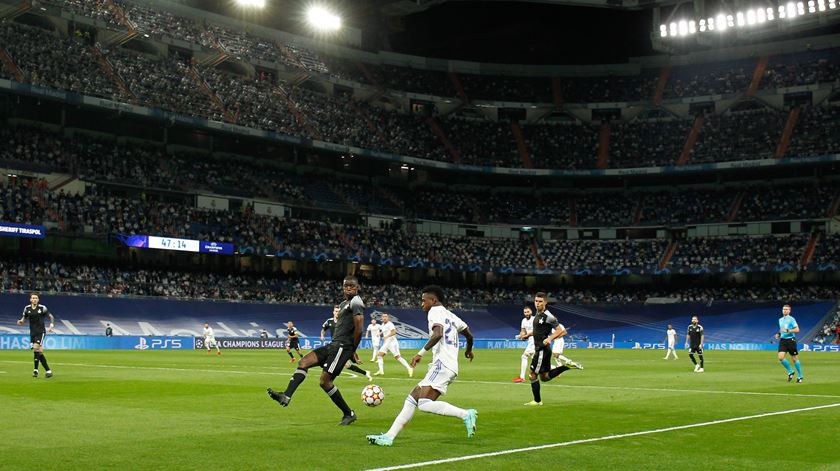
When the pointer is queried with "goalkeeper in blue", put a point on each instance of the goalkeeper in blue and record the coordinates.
(444, 327)
(788, 328)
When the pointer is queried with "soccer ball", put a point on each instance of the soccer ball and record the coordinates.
(372, 395)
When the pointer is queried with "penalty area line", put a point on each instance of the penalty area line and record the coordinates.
(598, 439)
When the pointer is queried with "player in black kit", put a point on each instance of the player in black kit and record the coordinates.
(292, 341)
(333, 356)
(329, 325)
(36, 313)
(544, 323)
(695, 337)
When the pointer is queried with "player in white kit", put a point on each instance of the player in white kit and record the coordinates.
(374, 330)
(390, 344)
(210, 339)
(444, 327)
(526, 331)
(671, 340)
(557, 350)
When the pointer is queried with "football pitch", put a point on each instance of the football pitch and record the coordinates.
(629, 409)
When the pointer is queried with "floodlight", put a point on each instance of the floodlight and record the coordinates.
(251, 3)
(321, 19)
(663, 31)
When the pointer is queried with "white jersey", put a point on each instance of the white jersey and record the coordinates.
(375, 331)
(528, 326)
(208, 333)
(386, 329)
(446, 350)
(672, 336)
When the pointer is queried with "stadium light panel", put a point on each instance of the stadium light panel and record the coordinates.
(790, 10)
(720, 21)
(251, 3)
(321, 19)
(751, 17)
(692, 27)
(740, 17)
(673, 29)
(663, 31)
(683, 27)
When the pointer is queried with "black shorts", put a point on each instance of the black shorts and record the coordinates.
(788, 346)
(541, 362)
(294, 343)
(698, 349)
(37, 337)
(332, 357)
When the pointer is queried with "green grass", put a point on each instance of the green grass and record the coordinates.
(186, 410)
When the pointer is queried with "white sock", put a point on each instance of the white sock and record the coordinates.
(523, 365)
(404, 363)
(403, 418)
(561, 357)
(442, 408)
(380, 363)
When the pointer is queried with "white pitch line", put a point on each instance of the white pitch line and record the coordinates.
(503, 383)
(598, 439)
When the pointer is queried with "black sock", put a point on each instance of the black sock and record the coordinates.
(535, 388)
(335, 395)
(691, 355)
(300, 354)
(297, 378)
(356, 369)
(553, 373)
(701, 361)
(44, 362)
(290, 355)
(37, 357)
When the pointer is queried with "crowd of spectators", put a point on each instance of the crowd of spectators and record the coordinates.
(562, 146)
(569, 256)
(676, 208)
(745, 135)
(644, 143)
(792, 70)
(157, 22)
(51, 277)
(482, 142)
(817, 132)
(710, 79)
(48, 59)
(728, 252)
(830, 331)
(613, 88)
(95, 9)
(164, 83)
(787, 202)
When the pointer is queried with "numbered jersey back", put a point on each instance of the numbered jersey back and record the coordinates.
(446, 351)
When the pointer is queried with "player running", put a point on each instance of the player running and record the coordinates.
(292, 341)
(210, 339)
(375, 332)
(444, 327)
(788, 328)
(546, 329)
(526, 331)
(390, 344)
(36, 313)
(694, 342)
(558, 347)
(333, 356)
(671, 341)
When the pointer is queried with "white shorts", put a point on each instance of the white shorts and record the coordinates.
(375, 343)
(210, 342)
(529, 350)
(559, 345)
(670, 346)
(438, 377)
(392, 346)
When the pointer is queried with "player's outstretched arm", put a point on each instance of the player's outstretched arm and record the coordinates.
(437, 334)
(52, 322)
(468, 353)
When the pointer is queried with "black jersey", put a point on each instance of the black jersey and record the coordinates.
(329, 324)
(543, 325)
(36, 317)
(292, 332)
(695, 332)
(343, 332)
